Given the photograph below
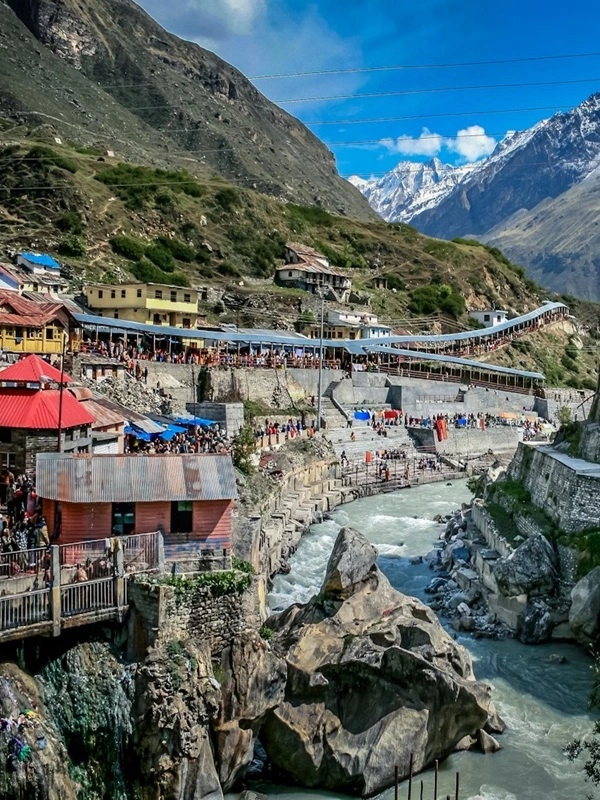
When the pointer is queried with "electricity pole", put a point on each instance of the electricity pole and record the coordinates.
(320, 385)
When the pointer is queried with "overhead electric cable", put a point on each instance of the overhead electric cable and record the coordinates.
(391, 67)
(432, 90)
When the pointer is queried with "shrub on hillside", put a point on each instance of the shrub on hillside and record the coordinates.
(70, 222)
(313, 215)
(147, 272)
(227, 198)
(49, 156)
(138, 186)
(160, 256)
(127, 247)
(179, 250)
(72, 245)
(437, 297)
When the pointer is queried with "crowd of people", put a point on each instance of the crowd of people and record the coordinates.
(22, 526)
(197, 439)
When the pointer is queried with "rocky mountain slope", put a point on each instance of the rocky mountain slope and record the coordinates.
(526, 196)
(103, 73)
(110, 220)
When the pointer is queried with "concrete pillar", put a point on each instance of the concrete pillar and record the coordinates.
(119, 577)
(55, 599)
(160, 545)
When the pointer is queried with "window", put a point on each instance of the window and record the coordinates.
(290, 274)
(158, 294)
(123, 519)
(187, 298)
(123, 293)
(139, 292)
(173, 297)
(186, 322)
(6, 435)
(100, 294)
(116, 315)
(8, 461)
(113, 294)
(156, 319)
(205, 294)
(486, 317)
(49, 334)
(181, 517)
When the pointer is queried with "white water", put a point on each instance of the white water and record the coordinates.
(543, 702)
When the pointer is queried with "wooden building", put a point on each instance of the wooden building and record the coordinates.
(189, 497)
(27, 326)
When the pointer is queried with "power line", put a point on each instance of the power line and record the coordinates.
(391, 67)
(433, 90)
(372, 120)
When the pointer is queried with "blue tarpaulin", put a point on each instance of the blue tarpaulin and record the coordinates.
(364, 415)
(170, 432)
(131, 430)
(206, 423)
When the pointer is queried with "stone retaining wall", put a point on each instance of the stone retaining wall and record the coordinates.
(568, 496)
(158, 614)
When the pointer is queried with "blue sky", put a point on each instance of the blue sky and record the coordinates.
(266, 37)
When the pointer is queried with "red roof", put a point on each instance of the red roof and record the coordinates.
(31, 314)
(32, 369)
(37, 409)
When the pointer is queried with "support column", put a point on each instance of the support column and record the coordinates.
(119, 576)
(55, 599)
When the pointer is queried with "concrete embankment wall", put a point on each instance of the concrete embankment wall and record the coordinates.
(568, 496)
(470, 442)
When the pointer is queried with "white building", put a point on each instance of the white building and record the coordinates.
(38, 263)
(489, 318)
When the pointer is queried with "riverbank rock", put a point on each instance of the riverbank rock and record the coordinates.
(371, 673)
(530, 569)
(253, 684)
(584, 614)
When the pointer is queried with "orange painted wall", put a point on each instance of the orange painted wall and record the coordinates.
(211, 521)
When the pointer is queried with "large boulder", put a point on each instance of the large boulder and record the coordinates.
(370, 676)
(530, 569)
(584, 614)
(535, 626)
(253, 684)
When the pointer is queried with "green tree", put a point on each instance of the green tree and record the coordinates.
(244, 447)
(564, 415)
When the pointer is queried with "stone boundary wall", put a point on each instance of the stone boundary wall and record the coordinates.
(467, 442)
(569, 497)
(157, 615)
(485, 523)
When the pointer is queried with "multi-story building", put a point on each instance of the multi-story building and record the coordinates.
(148, 303)
(349, 325)
(309, 270)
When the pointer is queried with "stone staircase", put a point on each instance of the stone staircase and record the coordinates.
(367, 439)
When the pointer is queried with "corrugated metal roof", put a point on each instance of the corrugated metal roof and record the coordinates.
(33, 369)
(134, 417)
(39, 409)
(415, 355)
(134, 478)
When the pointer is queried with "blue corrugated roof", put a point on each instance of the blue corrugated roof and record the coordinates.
(415, 355)
(42, 259)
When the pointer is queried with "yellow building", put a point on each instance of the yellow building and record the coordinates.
(27, 326)
(148, 303)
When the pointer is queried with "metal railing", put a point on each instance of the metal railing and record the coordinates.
(80, 552)
(15, 564)
(18, 611)
(141, 552)
(80, 598)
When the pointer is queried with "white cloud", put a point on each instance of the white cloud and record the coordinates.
(470, 144)
(214, 21)
(427, 144)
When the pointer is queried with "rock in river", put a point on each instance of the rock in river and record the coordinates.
(370, 674)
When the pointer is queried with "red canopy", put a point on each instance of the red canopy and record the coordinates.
(390, 413)
(39, 409)
(32, 369)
